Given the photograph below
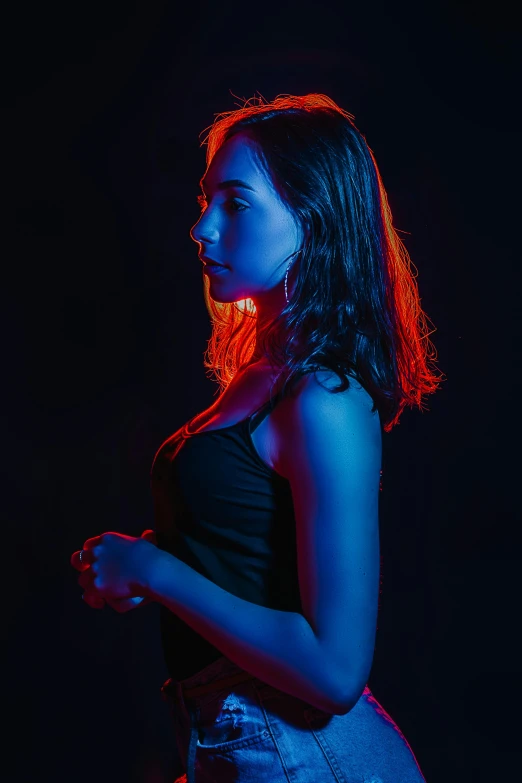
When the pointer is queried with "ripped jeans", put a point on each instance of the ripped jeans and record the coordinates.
(231, 727)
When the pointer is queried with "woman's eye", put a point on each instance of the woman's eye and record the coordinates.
(238, 204)
(238, 207)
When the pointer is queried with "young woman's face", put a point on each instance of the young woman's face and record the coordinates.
(249, 230)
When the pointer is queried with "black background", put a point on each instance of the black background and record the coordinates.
(105, 326)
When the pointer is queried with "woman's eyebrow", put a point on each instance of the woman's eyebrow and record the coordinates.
(228, 183)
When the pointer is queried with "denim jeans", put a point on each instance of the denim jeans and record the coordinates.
(232, 727)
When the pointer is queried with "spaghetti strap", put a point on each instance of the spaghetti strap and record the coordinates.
(257, 417)
(266, 408)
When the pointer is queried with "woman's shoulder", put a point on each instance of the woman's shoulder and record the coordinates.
(327, 379)
(314, 396)
(316, 419)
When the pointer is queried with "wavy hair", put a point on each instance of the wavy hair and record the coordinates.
(355, 308)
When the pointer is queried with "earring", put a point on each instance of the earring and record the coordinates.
(286, 281)
(286, 275)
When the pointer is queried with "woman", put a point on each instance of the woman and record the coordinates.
(266, 505)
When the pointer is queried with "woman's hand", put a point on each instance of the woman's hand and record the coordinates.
(113, 568)
(123, 605)
(150, 535)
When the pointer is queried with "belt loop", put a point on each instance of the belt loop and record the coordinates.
(166, 690)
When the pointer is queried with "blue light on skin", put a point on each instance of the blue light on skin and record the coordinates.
(251, 231)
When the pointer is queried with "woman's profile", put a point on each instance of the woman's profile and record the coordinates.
(265, 554)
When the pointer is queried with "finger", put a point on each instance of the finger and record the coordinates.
(93, 601)
(86, 580)
(92, 542)
(87, 559)
(124, 604)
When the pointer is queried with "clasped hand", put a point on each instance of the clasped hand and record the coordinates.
(113, 569)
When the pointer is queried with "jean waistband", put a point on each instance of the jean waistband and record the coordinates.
(215, 685)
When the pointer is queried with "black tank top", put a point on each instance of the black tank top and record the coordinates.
(219, 508)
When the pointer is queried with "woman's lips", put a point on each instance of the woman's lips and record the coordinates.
(214, 269)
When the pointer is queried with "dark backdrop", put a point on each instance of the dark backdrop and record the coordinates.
(105, 326)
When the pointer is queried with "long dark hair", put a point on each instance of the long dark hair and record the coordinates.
(355, 308)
